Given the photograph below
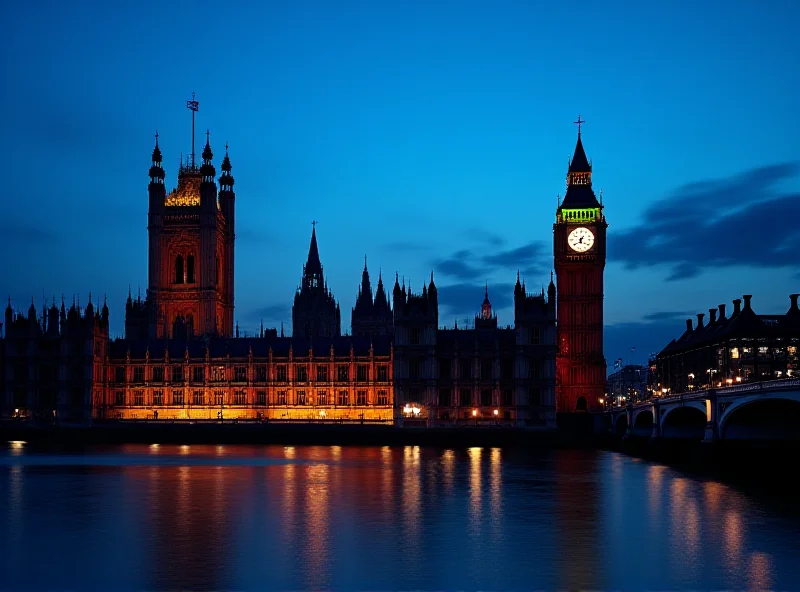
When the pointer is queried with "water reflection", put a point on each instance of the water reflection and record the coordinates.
(685, 528)
(495, 494)
(207, 517)
(576, 499)
(317, 536)
(411, 500)
(759, 572)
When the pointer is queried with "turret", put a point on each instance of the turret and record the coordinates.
(62, 316)
(90, 309)
(226, 195)
(52, 319)
(486, 307)
(551, 294)
(9, 315)
(208, 185)
(433, 293)
(381, 303)
(104, 313)
(156, 188)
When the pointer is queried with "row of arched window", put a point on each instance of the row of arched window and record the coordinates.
(184, 270)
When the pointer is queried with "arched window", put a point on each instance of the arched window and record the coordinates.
(190, 269)
(178, 269)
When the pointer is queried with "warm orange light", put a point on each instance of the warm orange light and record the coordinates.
(496, 413)
(474, 412)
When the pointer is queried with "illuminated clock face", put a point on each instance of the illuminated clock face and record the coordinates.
(580, 240)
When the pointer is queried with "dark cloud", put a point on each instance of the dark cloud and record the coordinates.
(465, 299)
(472, 266)
(462, 264)
(516, 258)
(666, 316)
(739, 221)
(486, 236)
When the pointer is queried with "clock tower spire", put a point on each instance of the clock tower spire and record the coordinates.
(579, 252)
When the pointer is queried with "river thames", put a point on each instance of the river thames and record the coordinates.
(379, 518)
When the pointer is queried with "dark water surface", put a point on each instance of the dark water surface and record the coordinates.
(347, 518)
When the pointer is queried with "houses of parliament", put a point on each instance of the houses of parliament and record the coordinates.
(182, 357)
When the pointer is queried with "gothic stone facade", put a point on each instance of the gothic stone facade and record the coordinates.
(479, 375)
(50, 364)
(191, 254)
(180, 359)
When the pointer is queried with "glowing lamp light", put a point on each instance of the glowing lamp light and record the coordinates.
(474, 413)
(322, 414)
(415, 410)
(496, 412)
(407, 409)
(738, 379)
(729, 381)
(601, 400)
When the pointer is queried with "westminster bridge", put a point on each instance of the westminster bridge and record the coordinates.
(768, 410)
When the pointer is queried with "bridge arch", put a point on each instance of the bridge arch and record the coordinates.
(643, 422)
(775, 416)
(621, 424)
(687, 421)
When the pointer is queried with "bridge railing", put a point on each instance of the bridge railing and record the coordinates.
(770, 385)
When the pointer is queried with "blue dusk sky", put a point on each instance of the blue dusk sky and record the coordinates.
(426, 135)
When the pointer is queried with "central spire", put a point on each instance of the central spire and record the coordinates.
(313, 268)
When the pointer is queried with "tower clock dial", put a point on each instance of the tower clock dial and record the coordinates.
(580, 240)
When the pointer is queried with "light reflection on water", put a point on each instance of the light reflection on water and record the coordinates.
(221, 517)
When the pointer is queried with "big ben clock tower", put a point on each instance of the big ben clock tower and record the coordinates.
(579, 250)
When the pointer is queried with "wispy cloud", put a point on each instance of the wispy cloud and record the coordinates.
(739, 221)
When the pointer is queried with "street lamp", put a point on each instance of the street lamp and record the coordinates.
(691, 381)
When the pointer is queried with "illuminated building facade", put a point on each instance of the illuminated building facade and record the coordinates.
(265, 377)
(579, 250)
(726, 350)
(191, 253)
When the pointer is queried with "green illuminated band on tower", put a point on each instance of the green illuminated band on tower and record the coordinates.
(579, 215)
